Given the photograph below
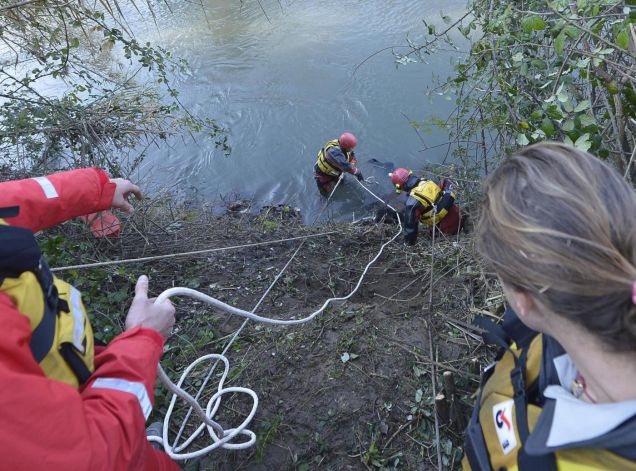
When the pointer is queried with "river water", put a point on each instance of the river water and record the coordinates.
(283, 83)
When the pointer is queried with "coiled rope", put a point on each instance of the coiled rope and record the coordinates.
(220, 437)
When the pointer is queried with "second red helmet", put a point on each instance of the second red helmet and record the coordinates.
(399, 176)
(347, 141)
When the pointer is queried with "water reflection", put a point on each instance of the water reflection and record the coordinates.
(285, 86)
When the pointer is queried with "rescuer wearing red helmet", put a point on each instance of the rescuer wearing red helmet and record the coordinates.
(425, 200)
(69, 404)
(334, 158)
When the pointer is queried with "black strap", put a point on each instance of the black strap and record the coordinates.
(9, 211)
(519, 390)
(43, 335)
(493, 333)
(526, 462)
(432, 204)
(68, 352)
(474, 443)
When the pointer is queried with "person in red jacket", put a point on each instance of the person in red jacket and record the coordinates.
(62, 407)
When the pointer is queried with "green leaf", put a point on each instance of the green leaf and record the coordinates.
(518, 57)
(559, 43)
(568, 125)
(418, 396)
(622, 39)
(583, 63)
(583, 142)
(522, 139)
(548, 127)
(538, 63)
(584, 105)
(587, 120)
(532, 23)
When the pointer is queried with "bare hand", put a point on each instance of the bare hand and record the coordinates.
(144, 312)
(124, 188)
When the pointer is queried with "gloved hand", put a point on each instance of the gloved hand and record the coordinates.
(358, 175)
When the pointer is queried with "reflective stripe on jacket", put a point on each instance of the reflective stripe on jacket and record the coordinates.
(45, 423)
(328, 165)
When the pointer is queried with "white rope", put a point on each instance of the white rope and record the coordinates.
(194, 406)
(185, 254)
(224, 439)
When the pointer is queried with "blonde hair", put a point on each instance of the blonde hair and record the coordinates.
(560, 224)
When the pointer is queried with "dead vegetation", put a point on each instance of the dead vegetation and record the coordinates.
(355, 389)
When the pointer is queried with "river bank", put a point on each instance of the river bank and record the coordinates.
(352, 389)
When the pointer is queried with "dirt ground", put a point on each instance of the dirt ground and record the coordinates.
(355, 388)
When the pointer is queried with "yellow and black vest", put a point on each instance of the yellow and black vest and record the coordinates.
(433, 198)
(323, 163)
(506, 413)
(62, 337)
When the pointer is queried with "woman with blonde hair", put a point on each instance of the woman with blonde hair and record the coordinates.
(558, 226)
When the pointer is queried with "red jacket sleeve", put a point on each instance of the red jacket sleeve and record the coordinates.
(46, 424)
(47, 201)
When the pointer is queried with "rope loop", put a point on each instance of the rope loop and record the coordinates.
(222, 438)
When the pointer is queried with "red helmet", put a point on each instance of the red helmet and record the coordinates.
(347, 141)
(399, 177)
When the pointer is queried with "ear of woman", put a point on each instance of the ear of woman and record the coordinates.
(525, 307)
